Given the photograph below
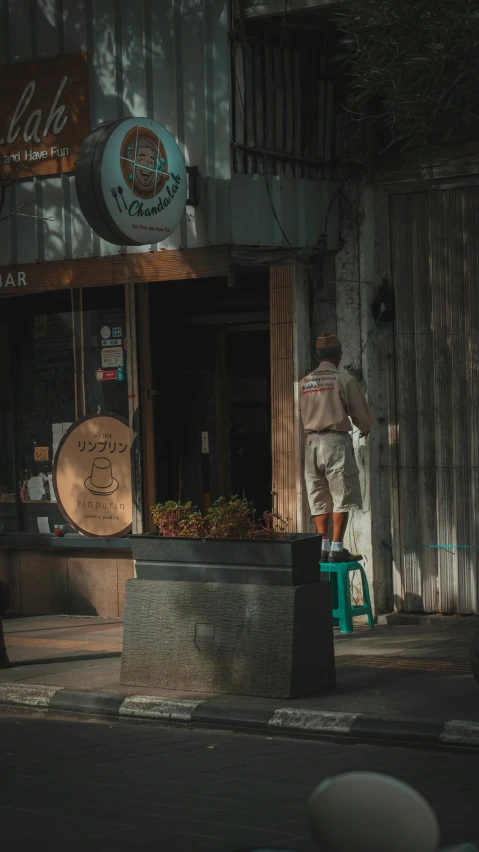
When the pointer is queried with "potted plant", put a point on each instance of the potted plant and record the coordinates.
(224, 603)
(225, 545)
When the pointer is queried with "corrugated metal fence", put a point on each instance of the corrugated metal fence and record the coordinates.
(435, 258)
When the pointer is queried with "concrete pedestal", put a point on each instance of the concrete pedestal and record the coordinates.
(238, 639)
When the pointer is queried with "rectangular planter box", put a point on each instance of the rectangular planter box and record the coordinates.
(292, 562)
(227, 616)
(230, 638)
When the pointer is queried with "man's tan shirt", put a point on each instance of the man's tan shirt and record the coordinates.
(328, 398)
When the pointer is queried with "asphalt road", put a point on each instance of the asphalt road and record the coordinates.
(96, 785)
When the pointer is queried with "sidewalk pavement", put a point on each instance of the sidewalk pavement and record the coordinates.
(407, 682)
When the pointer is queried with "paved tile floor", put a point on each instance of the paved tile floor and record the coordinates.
(70, 784)
(418, 672)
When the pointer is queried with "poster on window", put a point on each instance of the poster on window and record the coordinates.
(112, 357)
(92, 476)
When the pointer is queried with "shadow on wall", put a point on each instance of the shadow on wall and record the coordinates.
(409, 604)
(153, 66)
(225, 666)
(201, 646)
(43, 583)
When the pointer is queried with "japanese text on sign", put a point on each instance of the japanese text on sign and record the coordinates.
(92, 476)
(100, 446)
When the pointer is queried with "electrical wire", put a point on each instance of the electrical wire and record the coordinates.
(373, 329)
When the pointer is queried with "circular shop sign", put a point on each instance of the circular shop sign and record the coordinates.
(92, 476)
(131, 181)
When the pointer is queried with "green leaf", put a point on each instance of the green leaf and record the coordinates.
(419, 57)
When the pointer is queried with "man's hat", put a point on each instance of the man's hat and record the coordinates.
(326, 340)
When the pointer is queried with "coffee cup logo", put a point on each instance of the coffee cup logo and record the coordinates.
(101, 481)
(92, 476)
(144, 163)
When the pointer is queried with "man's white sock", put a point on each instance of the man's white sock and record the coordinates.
(326, 545)
(337, 546)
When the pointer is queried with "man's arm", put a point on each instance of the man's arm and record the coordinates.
(358, 408)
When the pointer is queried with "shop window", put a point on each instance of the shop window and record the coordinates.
(53, 371)
(104, 349)
(8, 514)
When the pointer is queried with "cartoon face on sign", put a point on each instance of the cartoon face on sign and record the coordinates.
(144, 164)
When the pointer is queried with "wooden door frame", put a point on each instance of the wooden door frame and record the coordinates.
(146, 395)
(134, 407)
(290, 362)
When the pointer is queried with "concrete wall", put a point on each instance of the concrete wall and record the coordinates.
(67, 582)
(343, 304)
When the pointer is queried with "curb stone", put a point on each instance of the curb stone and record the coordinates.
(397, 728)
(316, 721)
(84, 701)
(456, 732)
(402, 619)
(148, 707)
(218, 713)
(28, 695)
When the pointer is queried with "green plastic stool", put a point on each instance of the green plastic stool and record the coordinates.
(343, 609)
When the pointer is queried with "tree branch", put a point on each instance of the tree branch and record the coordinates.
(18, 212)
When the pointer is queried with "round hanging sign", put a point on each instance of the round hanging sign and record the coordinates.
(131, 181)
(92, 476)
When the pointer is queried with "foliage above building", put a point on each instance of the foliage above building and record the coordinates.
(417, 60)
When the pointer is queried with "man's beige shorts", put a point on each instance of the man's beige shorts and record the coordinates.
(331, 472)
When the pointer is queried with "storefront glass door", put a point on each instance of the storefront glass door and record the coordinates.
(210, 365)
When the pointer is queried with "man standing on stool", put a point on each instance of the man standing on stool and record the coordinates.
(328, 398)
